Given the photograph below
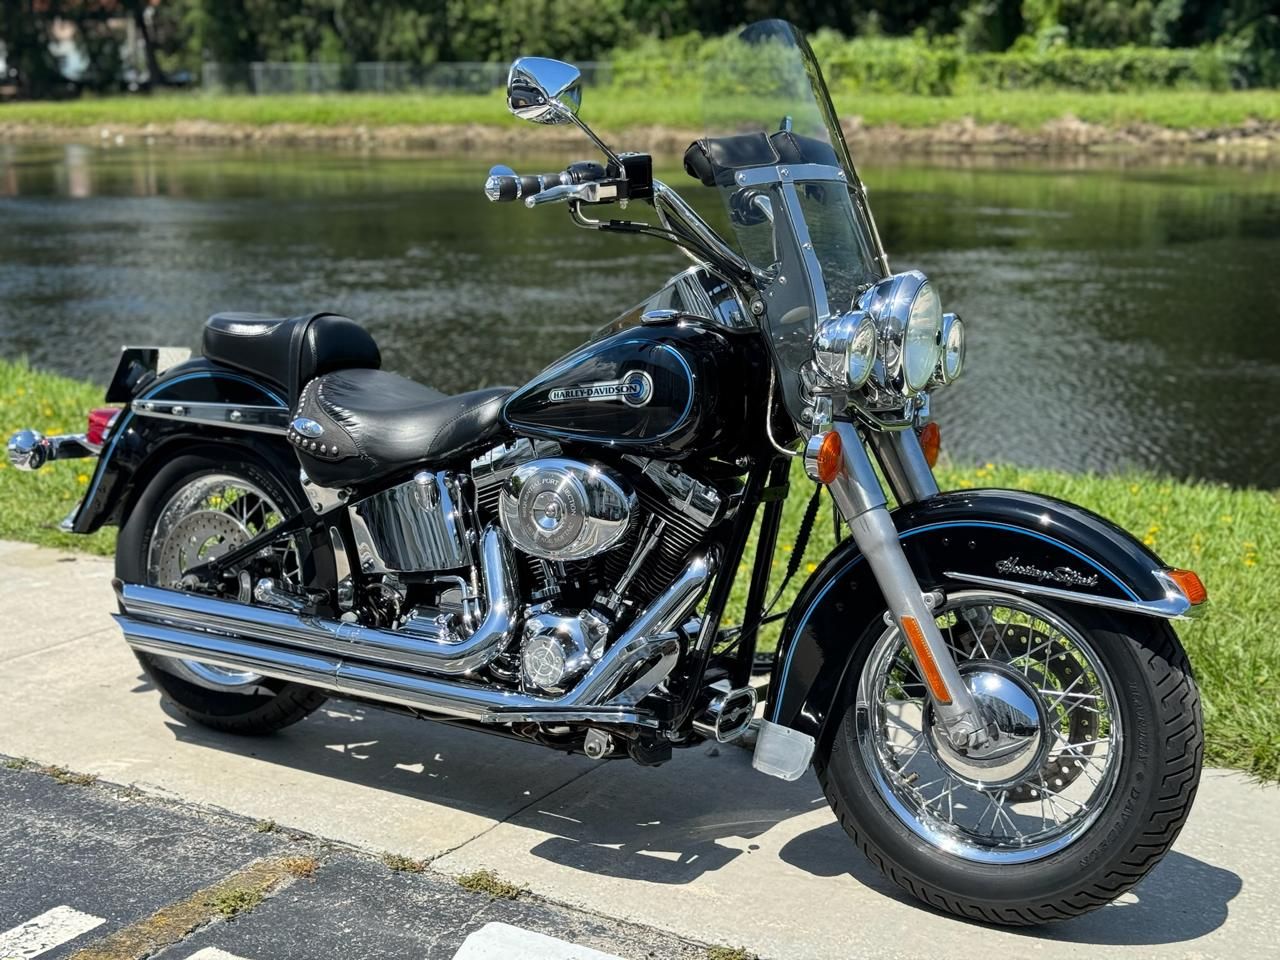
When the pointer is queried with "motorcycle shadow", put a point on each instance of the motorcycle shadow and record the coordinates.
(695, 815)
(1182, 899)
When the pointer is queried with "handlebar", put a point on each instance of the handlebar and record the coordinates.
(505, 185)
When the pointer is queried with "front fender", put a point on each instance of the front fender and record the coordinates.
(1010, 540)
(137, 443)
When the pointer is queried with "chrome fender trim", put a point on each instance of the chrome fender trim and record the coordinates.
(1173, 606)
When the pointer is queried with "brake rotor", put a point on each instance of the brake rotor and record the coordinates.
(198, 538)
(1058, 669)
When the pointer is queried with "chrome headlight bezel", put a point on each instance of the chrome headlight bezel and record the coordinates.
(908, 316)
(845, 348)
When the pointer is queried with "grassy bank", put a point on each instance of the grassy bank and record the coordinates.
(617, 109)
(1231, 537)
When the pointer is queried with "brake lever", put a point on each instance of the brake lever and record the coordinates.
(593, 191)
(566, 191)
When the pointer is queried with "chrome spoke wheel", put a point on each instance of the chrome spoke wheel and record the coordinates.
(206, 518)
(1055, 763)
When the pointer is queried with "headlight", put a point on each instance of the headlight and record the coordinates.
(844, 349)
(908, 317)
(920, 344)
(952, 362)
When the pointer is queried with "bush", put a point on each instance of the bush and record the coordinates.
(941, 67)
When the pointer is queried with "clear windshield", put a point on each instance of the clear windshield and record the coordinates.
(775, 151)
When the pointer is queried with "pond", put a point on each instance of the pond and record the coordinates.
(1120, 313)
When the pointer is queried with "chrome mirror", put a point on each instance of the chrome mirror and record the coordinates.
(544, 91)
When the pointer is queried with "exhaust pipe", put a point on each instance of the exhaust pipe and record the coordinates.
(347, 672)
(428, 647)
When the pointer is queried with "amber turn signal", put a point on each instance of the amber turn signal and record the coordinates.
(931, 441)
(1189, 583)
(928, 666)
(830, 457)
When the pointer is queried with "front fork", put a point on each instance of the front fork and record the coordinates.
(860, 498)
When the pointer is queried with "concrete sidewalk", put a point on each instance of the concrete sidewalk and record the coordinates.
(703, 846)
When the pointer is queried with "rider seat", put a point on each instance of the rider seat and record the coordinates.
(352, 427)
(288, 351)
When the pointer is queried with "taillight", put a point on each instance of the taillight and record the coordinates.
(100, 421)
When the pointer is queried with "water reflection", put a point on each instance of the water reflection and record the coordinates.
(1120, 313)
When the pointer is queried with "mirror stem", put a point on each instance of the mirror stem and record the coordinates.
(603, 147)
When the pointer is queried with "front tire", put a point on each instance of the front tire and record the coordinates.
(1059, 830)
(189, 513)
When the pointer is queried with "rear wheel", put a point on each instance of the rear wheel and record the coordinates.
(195, 509)
(1098, 764)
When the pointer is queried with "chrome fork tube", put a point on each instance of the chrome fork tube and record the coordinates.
(861, 501)
(901, 457)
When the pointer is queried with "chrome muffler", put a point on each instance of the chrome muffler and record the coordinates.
(428, 647)
(309, 651)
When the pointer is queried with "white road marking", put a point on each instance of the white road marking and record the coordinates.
(501, 941)
(41, 934)
(213, 953)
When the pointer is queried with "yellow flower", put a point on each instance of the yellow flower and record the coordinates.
(1250, 562)
(1226, 518)
(989, 466)
(967, 484)
(1133, 488)
(21, 392)
(82, 478)
(811, 567)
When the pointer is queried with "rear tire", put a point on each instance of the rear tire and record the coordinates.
(1158, 742)
(244, 704)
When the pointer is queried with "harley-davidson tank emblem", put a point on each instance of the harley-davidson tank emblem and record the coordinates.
(634, 389)
(1063, 575)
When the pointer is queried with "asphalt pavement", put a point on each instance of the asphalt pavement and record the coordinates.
(617, 859)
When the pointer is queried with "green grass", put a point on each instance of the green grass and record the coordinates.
(32, 504)
(1231, 537)
(617, 109)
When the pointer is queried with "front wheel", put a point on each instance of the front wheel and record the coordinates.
(1093, 776)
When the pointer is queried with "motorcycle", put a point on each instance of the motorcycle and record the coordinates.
(986, 682)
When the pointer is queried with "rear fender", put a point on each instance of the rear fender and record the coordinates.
(139, 440)
(1003, 539)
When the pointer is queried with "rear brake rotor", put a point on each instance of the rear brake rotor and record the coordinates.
(198, 538)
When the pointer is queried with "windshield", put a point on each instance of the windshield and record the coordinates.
(774, 150)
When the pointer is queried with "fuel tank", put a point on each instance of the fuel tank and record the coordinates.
(670, 390)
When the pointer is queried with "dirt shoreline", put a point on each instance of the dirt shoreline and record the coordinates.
(1067, 135)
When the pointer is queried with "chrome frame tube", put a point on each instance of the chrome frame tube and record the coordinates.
(861, 501)
(901, 458)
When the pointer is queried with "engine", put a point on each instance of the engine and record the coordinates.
(594, 545)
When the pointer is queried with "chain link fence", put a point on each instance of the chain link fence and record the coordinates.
(388, 77)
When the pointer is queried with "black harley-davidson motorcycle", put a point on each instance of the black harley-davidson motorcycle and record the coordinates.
(985, 681)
